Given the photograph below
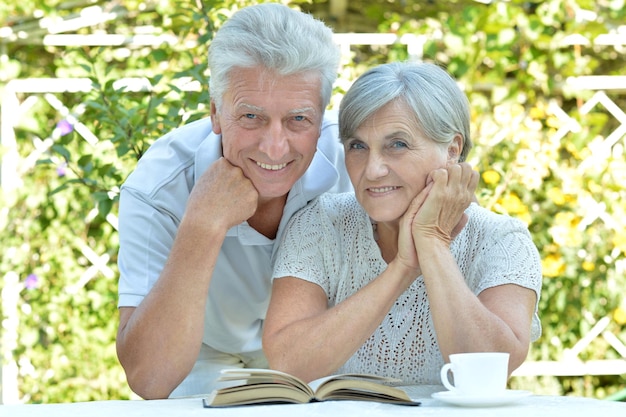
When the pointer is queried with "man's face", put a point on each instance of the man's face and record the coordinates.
(270, 125)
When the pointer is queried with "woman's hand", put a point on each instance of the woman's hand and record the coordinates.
(441, 205)
(407, 256)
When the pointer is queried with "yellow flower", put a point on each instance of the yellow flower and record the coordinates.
(588, 266)
(491, 177)
(565, 229)
(567, 219)
(525, 217)
(619, 315)
(553, 265)
(557, 196)
(571, 148)
(619, 241)
(553, 121)
(537, 112)
(512, 204)
(594, 187)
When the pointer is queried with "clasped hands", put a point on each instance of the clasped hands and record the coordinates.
(437, 214)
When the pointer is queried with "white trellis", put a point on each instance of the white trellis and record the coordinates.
(571, 364)
(13, 167)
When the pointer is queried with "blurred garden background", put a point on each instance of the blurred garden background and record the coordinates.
(87, 85)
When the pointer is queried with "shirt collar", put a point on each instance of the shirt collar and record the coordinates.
(318, 178)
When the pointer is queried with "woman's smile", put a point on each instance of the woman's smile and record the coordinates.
(381, 190)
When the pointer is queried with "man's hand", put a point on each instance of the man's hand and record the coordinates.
(222, 196)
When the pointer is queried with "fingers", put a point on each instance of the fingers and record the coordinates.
(414, 206)
(224, 195)
(406, 247)
(441, 211)
(456, 178)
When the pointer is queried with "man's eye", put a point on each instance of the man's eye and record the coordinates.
(356, 145)
(250, 116)
(299, 118)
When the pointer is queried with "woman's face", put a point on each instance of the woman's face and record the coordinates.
(389, 159)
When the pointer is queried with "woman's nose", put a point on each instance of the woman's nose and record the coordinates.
(377, 166)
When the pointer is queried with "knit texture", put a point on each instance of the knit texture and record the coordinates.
(331, 243)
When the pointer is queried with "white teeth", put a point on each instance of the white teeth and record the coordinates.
(382, 190)
(271, 167)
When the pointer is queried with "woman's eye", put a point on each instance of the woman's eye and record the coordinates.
(399, 144)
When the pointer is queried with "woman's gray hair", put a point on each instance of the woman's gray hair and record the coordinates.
(275, 37)
(440, 108)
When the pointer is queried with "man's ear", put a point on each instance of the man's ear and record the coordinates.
(215, 119)
(455, 148)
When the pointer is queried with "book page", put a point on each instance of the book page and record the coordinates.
(359, 387)
(255, 376)
(272, 393)
(354, 377)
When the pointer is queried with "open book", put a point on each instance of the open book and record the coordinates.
(265, 386)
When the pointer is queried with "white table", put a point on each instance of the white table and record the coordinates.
(532, 406)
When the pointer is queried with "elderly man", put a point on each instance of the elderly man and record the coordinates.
(201, 214)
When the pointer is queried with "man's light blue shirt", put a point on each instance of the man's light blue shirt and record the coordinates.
(152, 204)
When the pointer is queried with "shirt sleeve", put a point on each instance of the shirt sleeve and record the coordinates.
(508, 256)
(152, 202)
(146, 237)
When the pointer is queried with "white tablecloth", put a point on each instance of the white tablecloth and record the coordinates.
(532, 406)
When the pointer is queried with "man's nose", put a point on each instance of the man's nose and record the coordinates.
(275, 142)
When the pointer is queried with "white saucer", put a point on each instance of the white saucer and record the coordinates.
(508, 397)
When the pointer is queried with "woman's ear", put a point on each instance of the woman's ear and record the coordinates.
(455, 148)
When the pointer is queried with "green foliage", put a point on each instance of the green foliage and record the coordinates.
(510, 57)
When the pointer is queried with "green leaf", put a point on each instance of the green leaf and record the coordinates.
(61, 150)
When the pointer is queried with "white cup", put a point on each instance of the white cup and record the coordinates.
(477, 374)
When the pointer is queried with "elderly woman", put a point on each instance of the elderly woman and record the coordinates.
(394, 278)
